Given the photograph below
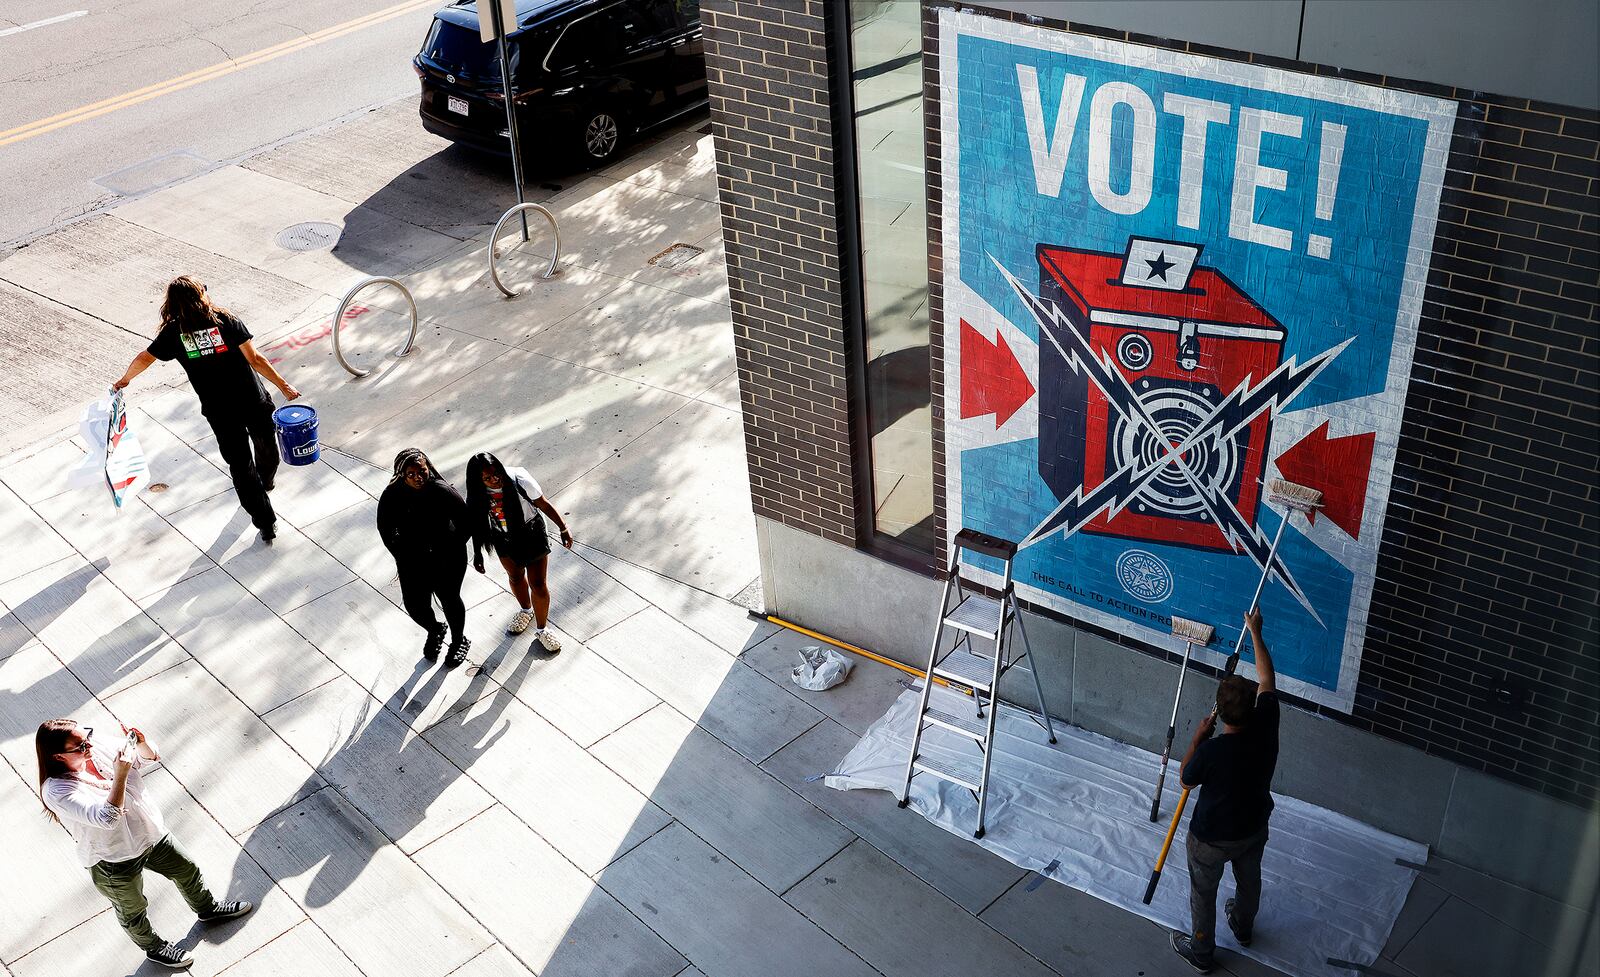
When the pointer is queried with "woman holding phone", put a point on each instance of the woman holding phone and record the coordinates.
(98, 796)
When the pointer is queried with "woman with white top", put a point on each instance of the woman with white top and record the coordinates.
(98, 796)
(503, 508)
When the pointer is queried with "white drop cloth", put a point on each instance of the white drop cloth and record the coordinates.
(1330, 884)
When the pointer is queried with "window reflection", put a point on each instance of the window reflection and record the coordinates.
(886, 77)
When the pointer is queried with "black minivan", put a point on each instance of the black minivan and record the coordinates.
(587, 73)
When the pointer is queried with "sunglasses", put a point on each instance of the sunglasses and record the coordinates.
(88, 731)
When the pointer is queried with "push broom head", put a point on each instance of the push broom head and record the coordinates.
(1292, 496)
(1193, 632)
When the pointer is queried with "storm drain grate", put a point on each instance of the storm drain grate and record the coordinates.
(309, 236)
(676, 256)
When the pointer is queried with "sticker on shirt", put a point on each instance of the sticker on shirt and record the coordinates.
(203, 342)
(497, 510)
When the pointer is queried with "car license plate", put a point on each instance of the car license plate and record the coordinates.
(457, 105)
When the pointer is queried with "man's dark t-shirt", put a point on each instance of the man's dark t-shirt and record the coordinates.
(1234, 774)
(221, 376)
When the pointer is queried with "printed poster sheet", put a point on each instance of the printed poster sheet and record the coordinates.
(1170, 279)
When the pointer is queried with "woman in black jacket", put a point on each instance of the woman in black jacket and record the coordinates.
(423, 522)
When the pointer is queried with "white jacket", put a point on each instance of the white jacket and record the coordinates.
(104, 833)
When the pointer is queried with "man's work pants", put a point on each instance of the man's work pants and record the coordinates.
(1206, 861)
(247, 443)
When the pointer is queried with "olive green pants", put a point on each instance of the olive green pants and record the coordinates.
(123, 884)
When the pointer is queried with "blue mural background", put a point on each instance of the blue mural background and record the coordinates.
(1353, 293)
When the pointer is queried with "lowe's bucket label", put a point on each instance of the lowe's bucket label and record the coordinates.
(1170, 279)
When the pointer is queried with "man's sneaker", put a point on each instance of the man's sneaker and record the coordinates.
(548, 638)
(269, 532)
(1243, 936)
(232, 909)
(1184, 944)
(457, 653)
(520, 623)
(170, 955)
(430, 648)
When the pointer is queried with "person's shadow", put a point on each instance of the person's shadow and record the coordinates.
(419, 770)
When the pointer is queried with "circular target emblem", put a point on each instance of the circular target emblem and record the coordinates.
(1177, 410)
(1145, 576)
(1134, 352)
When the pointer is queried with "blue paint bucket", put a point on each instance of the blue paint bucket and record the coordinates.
(297, 434)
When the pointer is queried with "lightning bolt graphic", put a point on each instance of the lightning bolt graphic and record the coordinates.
(1232, 414)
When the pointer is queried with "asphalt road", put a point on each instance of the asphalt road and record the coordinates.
(117, 98)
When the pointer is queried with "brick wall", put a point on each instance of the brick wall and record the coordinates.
(1489, 572)
(1489, 566)
(771, 109)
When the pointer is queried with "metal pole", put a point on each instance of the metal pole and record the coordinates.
(511, 108)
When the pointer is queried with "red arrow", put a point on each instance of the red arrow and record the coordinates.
(1337, 466)
(992, 381)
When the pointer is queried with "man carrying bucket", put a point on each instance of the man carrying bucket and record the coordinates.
(214, 349)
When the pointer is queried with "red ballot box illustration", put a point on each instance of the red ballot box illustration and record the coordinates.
(1184, 337)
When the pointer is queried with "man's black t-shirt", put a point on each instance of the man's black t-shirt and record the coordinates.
(1234, 774)
(221, 376)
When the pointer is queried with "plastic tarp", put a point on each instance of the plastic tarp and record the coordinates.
(1078, 812)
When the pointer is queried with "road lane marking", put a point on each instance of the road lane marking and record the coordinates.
(43, 23)
(128, 99)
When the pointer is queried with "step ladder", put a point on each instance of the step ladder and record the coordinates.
(973, 668)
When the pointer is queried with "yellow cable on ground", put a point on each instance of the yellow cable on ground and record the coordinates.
(919, 673)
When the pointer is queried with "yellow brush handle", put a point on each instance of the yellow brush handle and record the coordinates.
(1172, 829)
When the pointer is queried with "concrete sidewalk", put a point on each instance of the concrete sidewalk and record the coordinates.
(638, 804)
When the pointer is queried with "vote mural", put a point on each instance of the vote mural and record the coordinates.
(1170, 279)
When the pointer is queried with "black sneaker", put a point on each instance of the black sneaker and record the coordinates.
(170, 955)
(430, 648)
(457, 653)
(1243, 936)
(1183, 943)
(269, 532)
(232, 909)
(269, 484)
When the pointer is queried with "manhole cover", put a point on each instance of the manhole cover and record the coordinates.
(676, 256)
(309, 236)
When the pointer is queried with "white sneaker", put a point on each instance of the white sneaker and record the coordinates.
(548, 638)
(520, 623)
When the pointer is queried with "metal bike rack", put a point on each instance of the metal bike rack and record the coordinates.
(494, 271)
(344, 305)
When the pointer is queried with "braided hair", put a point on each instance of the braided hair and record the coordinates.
(413, 456)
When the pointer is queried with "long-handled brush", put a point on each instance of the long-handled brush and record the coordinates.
(1294, 498)
(1193, 633)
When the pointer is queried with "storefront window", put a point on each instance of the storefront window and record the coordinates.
(886, 90)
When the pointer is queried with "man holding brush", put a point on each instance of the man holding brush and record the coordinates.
(1234, 774)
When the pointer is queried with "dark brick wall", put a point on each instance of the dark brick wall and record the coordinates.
(1489, 574)
(771, 114)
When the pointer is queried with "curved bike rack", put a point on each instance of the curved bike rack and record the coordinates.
(344, 304)
(494, 271)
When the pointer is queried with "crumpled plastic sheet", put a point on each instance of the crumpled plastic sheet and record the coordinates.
(1331, 885)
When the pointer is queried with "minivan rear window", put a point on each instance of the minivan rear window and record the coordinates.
(459, 51)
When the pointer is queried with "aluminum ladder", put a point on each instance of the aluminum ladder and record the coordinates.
(973, 669)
